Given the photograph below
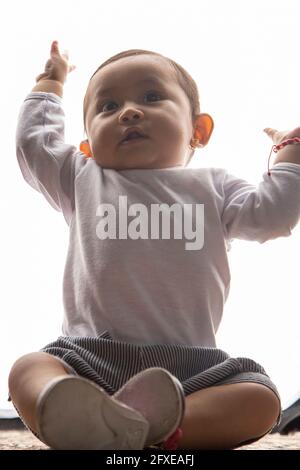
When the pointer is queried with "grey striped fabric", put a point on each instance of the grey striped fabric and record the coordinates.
(111, 363)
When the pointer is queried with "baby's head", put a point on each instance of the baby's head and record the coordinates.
(150, 92)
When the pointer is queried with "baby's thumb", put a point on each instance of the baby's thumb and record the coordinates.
(273, 134)
(269, 131)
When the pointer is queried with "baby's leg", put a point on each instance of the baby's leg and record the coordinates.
(27, 378)
(62, 409)
(223, 416)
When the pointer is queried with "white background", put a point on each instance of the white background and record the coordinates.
(244, 56)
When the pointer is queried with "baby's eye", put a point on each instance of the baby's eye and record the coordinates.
(108, 103)
(152, 93)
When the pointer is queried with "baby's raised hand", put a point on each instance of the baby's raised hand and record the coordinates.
(280, 136)
(290, 155)
(57, 67)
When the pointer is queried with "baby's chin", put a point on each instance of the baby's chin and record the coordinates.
(138, 162)
(134, 164)
(137, 167)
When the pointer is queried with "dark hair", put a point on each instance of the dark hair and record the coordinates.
(183, 78)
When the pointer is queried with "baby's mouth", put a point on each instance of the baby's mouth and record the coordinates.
(133, 136)
(133, 140)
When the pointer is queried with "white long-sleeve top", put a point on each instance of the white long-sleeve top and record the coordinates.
(147, 290)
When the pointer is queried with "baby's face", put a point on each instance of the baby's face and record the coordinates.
(122, 95)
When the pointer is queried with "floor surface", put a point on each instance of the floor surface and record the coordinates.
(25, 440)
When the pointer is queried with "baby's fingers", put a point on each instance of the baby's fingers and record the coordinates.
(71, 68)
(64, 55)
(54, 48)
(55, 53)
(275, 135)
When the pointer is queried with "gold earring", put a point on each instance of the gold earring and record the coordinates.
(194, 143)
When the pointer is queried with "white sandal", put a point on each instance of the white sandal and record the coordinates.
(75, 413)
(158, 396)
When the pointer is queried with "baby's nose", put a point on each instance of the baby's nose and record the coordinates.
(131, 113)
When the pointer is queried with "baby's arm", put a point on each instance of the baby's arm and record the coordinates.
(266, 211)
(47, 163)
(272, 209)
(49, 86)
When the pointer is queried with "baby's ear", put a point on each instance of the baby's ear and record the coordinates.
(84, 147)
(203, 127)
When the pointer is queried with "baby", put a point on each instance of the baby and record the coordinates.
(137, 364)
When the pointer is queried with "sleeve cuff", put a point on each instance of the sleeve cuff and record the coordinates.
(43, 95)
(294, 167)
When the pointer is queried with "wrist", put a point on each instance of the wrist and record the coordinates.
(49, 86)
(288, 153)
